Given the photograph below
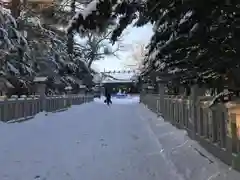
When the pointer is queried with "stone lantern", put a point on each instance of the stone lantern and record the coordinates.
(40, 85)
(68, 89)
(40, 89)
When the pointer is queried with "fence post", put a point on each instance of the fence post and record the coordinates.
(1, 110)
(5, 111)
(194, 103)
(234, 144)
(161, 88)
(223, 126)
(41, 89)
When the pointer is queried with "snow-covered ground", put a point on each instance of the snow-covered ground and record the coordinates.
(95, 142)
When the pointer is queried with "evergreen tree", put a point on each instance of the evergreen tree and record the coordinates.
(194, 41)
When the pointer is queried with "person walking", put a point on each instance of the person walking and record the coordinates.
(108, 97)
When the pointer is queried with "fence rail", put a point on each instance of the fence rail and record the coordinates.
(23, 108)
(217, 129)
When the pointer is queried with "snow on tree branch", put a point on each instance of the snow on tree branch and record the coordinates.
(99, 14)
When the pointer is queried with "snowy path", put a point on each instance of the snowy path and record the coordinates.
(96, 142)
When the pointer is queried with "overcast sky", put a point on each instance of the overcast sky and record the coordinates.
(133, 36)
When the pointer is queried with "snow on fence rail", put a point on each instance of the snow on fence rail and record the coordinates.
(17, 109)
(217, 128)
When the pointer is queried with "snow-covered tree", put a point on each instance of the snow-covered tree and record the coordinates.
(30, 48)
(136, 58)
(92, 47)
(13, 46)
(194, 41)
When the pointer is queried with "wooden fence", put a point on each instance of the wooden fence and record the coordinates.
(17, 109)
(217, 128)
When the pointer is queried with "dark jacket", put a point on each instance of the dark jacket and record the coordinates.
(107, 93)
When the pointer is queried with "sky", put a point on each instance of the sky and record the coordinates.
(133, 35)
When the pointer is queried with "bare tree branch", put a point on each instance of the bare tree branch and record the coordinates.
(137, 57)
(98, 46)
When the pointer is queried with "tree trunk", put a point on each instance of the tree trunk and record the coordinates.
(70, 36)
(15, 8)
(90, 63)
